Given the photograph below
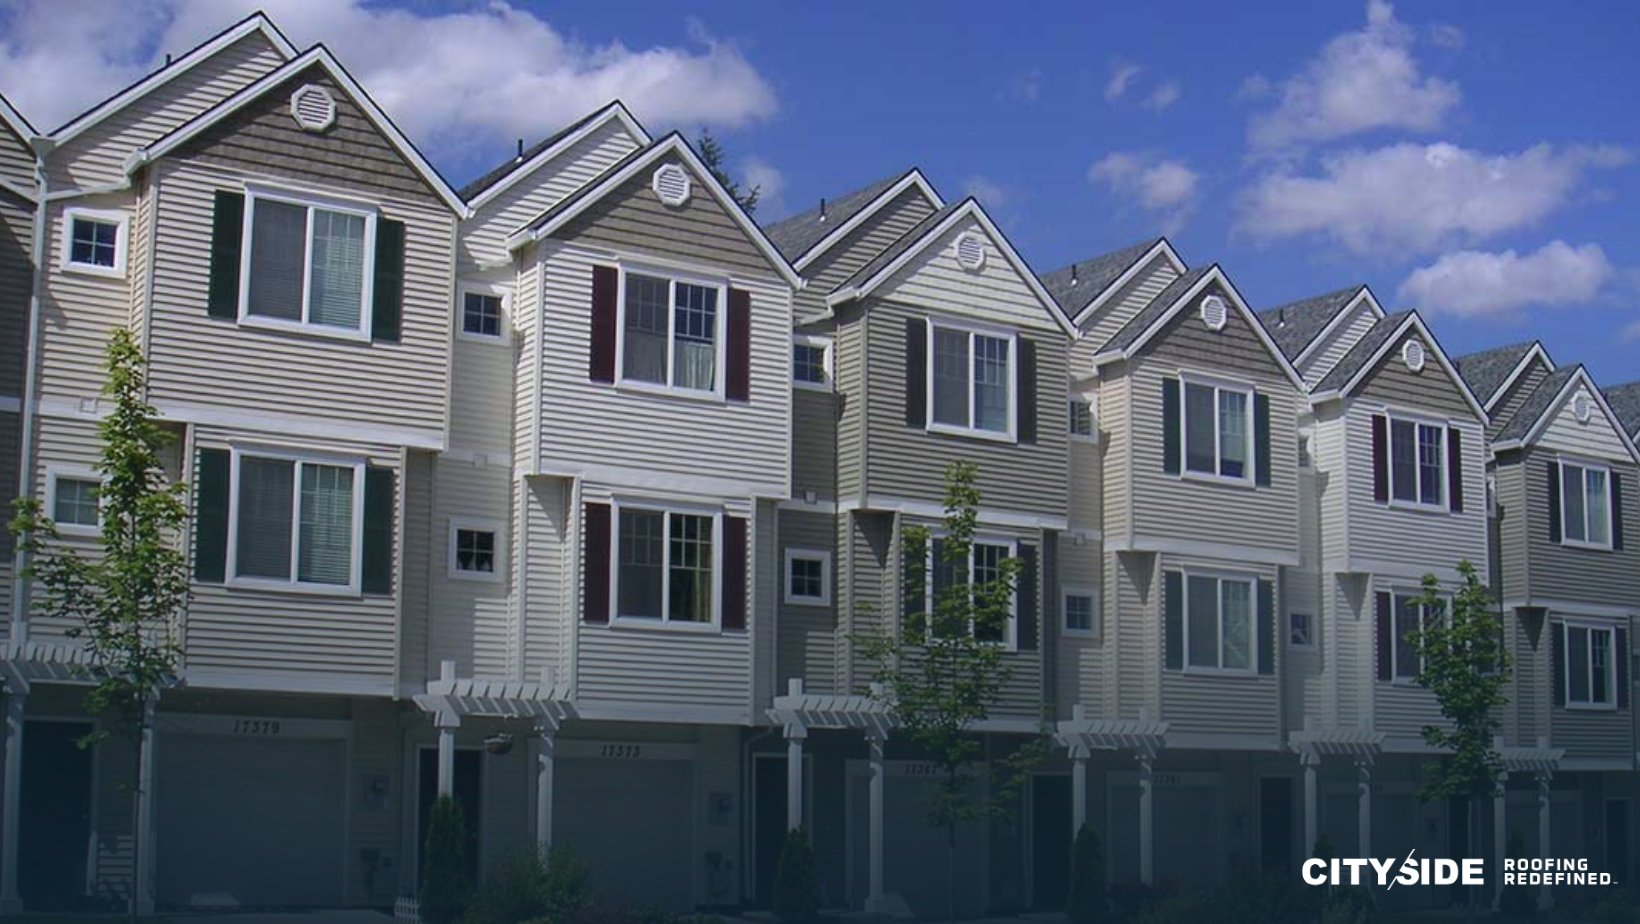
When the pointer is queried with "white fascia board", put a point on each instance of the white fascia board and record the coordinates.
(913, 178)
(1581, 376)
(1412, 321)
(615, 111)
(1163, 248)
(1538, 352)
(1338, 319)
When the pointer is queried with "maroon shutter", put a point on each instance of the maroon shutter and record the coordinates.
(1386, 635)
(1380, 458)
(740, 345)
(606, 282)
(1454, 469)
(595, 563)
(734, 572)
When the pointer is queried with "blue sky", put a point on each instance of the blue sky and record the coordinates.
(1474, 160)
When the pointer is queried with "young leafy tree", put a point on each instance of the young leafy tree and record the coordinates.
(1088, 901)
(123, 595)
(711, 153)
(796, 892)
(1464, 663)
(947, 667)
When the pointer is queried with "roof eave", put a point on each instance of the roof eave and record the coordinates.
(1161, 247)
(913, 177)
(615, 110)
(1337, 319)
(1215, 272)
(1520, 368)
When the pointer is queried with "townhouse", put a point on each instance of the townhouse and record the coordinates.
(570, 493)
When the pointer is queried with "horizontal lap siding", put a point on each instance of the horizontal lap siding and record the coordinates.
(1119, 309)
(202, 360)
(1412, 538)
(861, 246)
(1591, 733)
(1338, 343)
(871, 552)
(482, 403)
(1133, 634)
(1559, 572)
(1116, 439)
(767, 588)
(78, 311)
(16, 159)
(11, 435)
(524, 383)
(98, 154)
(1530, 693)
(70, 443)
(1400, 708)
(546, 605)
(1079, 662)
(1330, 451)
(16, 242)
(471, 620)
(814, 443)
(1217, 704)
(1430, 391)
(849, 352)
(1505, 409)
(1086, 485)
(806, 643)
(416, 661)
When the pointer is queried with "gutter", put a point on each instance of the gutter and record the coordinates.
(26, 481)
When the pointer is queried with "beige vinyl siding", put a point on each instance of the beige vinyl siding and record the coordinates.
(546, 602)
(1079, 661)
(767, 592)
(1116, 441)
(78, 311)
(1086, 493)
(1530, 691)
(199, 360)
(814, 443)
(484, 236)
(849, 352)
(1504, 410)
(1594, 734)
(1343, 339)
(869, 584)
(16, 241)
(1430, 391)
(472, 620)
(1330, 451)
(524, 382)
(1133, 635)
(1401, 708)
(1348, 649)
(859, 247)
(806, 644)
(416, 662)
(376, 749)
(71, 444)
(16, 160)
(1301, 674)
(98, 154)
(1183, 508)
(326, 641)
(1597, 438)
(482, 409)
(1119, 309)
(1211, 702)
(1560, 572)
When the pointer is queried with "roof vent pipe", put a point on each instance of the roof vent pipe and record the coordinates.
(520, 149)
(1073, 274)
(822, 210)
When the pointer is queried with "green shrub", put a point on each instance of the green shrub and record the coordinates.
(1616, 908)
(1517, 900)
(446, 884)
(532, 885)
(796, 892)
(1088, 902)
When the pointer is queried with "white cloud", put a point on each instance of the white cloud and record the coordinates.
(1164, 96)
(755, 172)
(458, 81)
(1411, 198)
(1121, 75)
(1631, 332)
(1163, 186)
(1478, 284)
(990, 193)
(1359, 81)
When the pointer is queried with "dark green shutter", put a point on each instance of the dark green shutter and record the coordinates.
(227, 242)
(916, 373)
(211, 516)
(1170, 426)
(1026, 391)
(1173, 618)
(1261, 439)
(1623, 657)
(734, 572)
(1554, 502)
(378, 530)
(1617, 512)
(1266, 627)
(387, 293)
(1557, 661)
(913, 581)
(1028, 599)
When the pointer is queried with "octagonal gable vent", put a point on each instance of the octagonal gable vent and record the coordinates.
(313, 108)
(1582, 407)
(1412, 353)
(971, 251)
(671, 184)
(1214, 312)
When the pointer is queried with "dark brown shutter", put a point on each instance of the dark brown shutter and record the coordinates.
(227, 242)
(595, 562)
(380, 498)
(734, 572)
(1173, 620)
(1025, 398)
(1454, 469)
(1261, 440)
(916, 373)
(1623, 656)
(1617, 510)
(387, 285)
(1171, 437)
(1554, 501)
(1028, 599)
(211, 516)
(1384, 620)
(1266, 627)
(606, 284)
(1557, 661)
(739, 384)
(1380, 458)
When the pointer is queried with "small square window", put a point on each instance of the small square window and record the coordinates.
(94, 241)
(481, 314)
(74, 502)
(1300, 630)
(1080, 421)
(809, 364)
(475, 551)
(1082, 614)
(808, 577)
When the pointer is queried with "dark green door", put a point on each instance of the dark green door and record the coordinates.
(54, 825)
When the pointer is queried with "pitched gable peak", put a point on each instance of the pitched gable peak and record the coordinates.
(807, 236)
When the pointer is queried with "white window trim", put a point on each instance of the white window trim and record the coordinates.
(1010, 435)
(797, 554)
(355, 568)
(1010, 640)
(1396, 594)
(1092, 436)
(662, 621)
(1566, 539)
(1303, 646)
(1440, 503)
(1612, 654)
(310, 202)
(1218, 384)
(673, 275)
(504, 322)
(825, 344)
(122, 222)
(1251, 670)
(491, 526)
(1097, 633)
(77, 473)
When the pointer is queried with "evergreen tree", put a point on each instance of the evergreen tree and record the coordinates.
(711, 154)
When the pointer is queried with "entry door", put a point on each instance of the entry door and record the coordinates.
(1275, 823)
(468, 789)
(1617, 840)
(54, 824)
(1051, 838)
(769, 776)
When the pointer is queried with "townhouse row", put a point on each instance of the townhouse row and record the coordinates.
(569, 491)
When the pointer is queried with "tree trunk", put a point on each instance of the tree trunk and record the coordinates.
(951, 871)
(136, 818)
(1469, 818)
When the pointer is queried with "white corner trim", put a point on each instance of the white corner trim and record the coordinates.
(1536, 352)
(913, 178)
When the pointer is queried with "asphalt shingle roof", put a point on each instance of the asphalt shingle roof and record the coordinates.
(506, 169)
(795, 235)
(1158, 306)
(1075, 285)
(1293, 325)
(907, 241)
(1486, 370)
(1625, 402)
(1536, 403)
(1361, 354)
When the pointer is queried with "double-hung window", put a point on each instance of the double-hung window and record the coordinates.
(1082, 616)
(1585, 505)
(672, 332)
(94, 241)
(1417, 462)
(811, 366)
(1409, 618)
(1591, 666)
(984, 563)
(1218, 632)
(666, 565)
(306, 264)
(971, 381)
(296, 521)
(1218, 430)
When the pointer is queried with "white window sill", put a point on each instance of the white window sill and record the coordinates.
(664, 625)
(78, 531)
(477, 577)
(814, 602)
(669, 391)
(1586, 546)
(813, 386)
(992, 436)
(294, 587)
(1083, 635)
(354, 335)
(1420, 507)
(94, 269)
(1209, 478)
(490, 339)
(1403, 682)
(1590, 707)
(1222, 672)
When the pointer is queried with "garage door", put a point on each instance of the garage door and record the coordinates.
(915, 864)
(633, 824)
(256, 821)
(1187, 829)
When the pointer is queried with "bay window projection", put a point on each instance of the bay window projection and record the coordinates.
(671, 333)
(665, 566)
(306, 264)
(971, 381)
(296, 522)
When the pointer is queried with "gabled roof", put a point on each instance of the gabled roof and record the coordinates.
(15, 120)
(913, 242)
(803, 238)
(204, 51)
(1491, 372)
(320, 56)
(1534, 413)
(1625, 401)
(1150, 320)
(1078, 287)
(552, 219)
(1298, 326)
(500, 179)
(1374, 345)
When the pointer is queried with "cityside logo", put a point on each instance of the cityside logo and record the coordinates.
(1425, 871)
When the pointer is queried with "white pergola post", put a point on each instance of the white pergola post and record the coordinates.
(446, 722)
(1147, 817)
(1363, 807)
(1500, 843)
(11, 792)
(1079, 788)
(1312, 814)
(875, 899)
(1546, 898)
(546, 750)
(795, 735)
(145, 816)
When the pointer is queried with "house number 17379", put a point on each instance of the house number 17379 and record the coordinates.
(255, 726)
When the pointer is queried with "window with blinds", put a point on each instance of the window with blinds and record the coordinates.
(307, 264)
(296, 521)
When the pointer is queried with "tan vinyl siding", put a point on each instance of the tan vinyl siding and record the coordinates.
(1195, 701)
(482, 411)
(545, 603)
(416, 661)
(471, 618)
(1330, 450)
(1086, 484)
(199, 360)
(1594, 734)
(98, 154)
(11, 436)
(524, 382)
(16, 160)
(806, 644)
(1504, 410)
(1559, 572)
(1530, 693)
(859, 247)
(814, 443)
(1430, 391)
(1079, 661)
(70, 444)
(1116, 439)
(870, 553)
(16, 241)
(1338, 343)
(1401, 708)
(377, 750)
(78, 311)
(849, 351)
(1119, 309)
(1133, 635)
